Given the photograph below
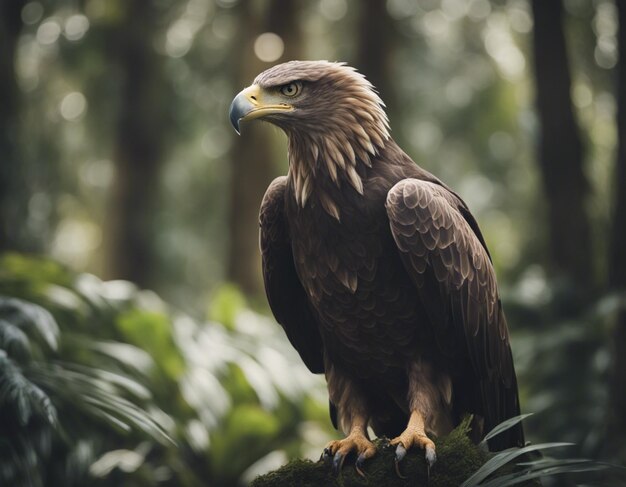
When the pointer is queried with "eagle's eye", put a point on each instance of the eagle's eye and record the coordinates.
(291, 89)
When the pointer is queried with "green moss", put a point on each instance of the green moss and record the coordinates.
(457, 459)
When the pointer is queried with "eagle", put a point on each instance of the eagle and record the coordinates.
(377, 271)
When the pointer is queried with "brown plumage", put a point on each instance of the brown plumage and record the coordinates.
(376, 270)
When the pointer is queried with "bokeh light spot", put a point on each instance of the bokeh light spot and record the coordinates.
(520, 20)
(76, 26)
(605, 53)
(454, 9)
(179, 39)
(501, 47)
(48, 32)
(73, 106)
(268, 47)
(75, 240)
(434, 24)
(478, 10)
(32, 13)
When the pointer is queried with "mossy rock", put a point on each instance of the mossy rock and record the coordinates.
(457, 459)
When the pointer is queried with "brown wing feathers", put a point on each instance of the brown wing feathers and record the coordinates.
(285, 293)
(456, 283)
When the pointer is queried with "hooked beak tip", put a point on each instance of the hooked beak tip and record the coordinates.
(238, 109)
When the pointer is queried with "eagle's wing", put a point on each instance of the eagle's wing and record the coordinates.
(444, 254)
(285, 293)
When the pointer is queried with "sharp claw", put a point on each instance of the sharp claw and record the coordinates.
(359, 465)
(400, 454)
(338, 462)
(326, 455)
(397, 464)
(431, 456)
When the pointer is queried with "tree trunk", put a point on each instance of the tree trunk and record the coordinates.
(139, 145)
(252, 165)
(561, 151)
(375, 47)
(617, 259)
(12, 204)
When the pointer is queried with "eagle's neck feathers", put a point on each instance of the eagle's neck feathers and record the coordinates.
(338, 148)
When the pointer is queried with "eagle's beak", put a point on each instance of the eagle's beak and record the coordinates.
(253, 102)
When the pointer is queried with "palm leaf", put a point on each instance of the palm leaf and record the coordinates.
(132, 357)
(97, 393)
(504, 457)
(545, 468)
(107, 378)
(505, 425)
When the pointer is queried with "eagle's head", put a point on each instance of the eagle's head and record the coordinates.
(332, 115)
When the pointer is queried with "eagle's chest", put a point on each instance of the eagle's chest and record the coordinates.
(354, 279)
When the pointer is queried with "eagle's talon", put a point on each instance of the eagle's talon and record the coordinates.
(358, 466)
(431, 456)
(400, 452)
(326, 456)
(356, 442)
(338, 462)
(398, 473)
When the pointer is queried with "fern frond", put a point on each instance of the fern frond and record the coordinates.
(20, 394)
(31, 316)
(14, 341)
(98, 393)
(129, 356)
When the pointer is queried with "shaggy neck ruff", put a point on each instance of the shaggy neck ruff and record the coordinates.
(340, 145)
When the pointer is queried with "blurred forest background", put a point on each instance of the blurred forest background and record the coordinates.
(136, 347)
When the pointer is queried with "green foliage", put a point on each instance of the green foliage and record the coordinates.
(561, 348)
(505, 425)
(39, 394)
(101, 382)
(503, 469)
(153, 331)
(226, 304)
